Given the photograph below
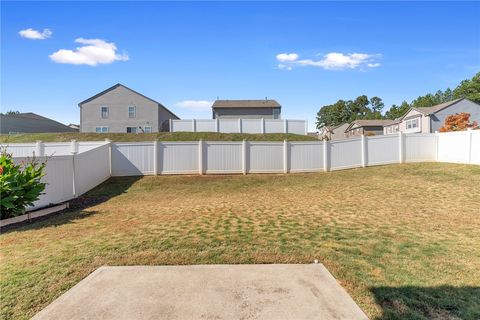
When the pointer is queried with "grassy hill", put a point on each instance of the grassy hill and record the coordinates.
(162, 136)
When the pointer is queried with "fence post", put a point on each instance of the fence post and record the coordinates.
(285, 126)
(194, 125)
(244, 156)
(39, 149)
(364, 150)
(155, 157)
(170, 123)
(262, 125)
(326, 155)
(469, 145)
(217, 127)
(285, 156)
(200, 156)
(109, 155)
(437, 137)
(74, 151)
(306, 127)
(401, 147)
(239, 125)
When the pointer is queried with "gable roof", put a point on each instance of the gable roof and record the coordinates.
(267, 103)
(123, 86)
(369, 123)
(438, 107)
(30, 122)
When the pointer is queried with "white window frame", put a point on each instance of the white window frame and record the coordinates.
(101, 112)
(134, 112)
(413, 125)
(149, 129)
(136, 130)
(102, 129)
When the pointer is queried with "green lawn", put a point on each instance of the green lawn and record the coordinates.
(165, 136)
(403, 240)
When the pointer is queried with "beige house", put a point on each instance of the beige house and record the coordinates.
(366, 127)
(334, 132)
(431, 119)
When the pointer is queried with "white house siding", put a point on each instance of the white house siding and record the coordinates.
(424, 122)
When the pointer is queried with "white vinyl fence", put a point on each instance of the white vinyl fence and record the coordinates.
(240, 126)
(69, 175)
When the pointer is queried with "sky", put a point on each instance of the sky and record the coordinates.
(186, 54)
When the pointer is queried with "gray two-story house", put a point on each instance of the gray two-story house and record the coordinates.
(246, 109)
(121, 109)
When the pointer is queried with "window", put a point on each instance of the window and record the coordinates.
(147, 129)
(412, 124)
(276, 113)
(104, 112)
(132, 112)
(101, 129)
(131, 129)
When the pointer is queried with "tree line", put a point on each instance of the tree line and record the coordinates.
(364, 108)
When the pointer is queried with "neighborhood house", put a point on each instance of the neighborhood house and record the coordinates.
(121, 109)
(431, 119)
(366, 127)
(30, 122)
(246, 109)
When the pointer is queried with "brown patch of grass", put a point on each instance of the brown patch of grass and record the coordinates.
(380, 227)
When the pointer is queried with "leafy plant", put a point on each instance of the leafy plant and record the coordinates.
(458, 122)
(20, 184)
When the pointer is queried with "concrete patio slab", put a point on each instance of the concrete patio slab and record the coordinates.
(206, 292)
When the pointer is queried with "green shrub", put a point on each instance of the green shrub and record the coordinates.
(20, 184)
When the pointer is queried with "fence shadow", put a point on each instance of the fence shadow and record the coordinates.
(109, 189)
(442, 302)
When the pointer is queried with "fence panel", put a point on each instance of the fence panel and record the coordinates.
(251, 125)
(182, 125)
(132, 159)
(296, 126)
(91, 168)
(179, 157)
(475, 147)
(453, 147)
(20, 149)
(274, 126)
(265, 157)
(223, 157)
(228, 125)
(58, 178)
(383, 149)
(345, 154)
(420, 147)
(305, 156)
(205, 125)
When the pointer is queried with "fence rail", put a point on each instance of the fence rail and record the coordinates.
(240, 126)
(68, 176)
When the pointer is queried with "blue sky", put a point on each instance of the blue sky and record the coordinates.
(185, 54)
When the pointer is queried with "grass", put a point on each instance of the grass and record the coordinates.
(403, 240)
(165, 136)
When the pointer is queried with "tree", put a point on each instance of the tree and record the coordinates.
(469, 89)
(10, 112)
(458, 122)
(334, 114)
(397, 111)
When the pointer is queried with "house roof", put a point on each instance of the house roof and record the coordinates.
(121, 85)
(30, 122)
(267, 103)
(438, 107)
(369, 123)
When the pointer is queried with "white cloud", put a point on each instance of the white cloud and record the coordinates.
(199, 105)
(287, 57)
(334, 61)
(94, 51)
(35, 34)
